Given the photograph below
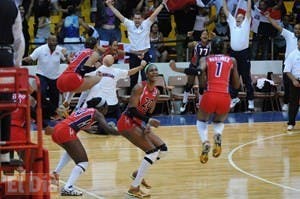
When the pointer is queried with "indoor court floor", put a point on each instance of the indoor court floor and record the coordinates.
(259, 160)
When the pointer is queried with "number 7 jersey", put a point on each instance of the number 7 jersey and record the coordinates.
(218, 73)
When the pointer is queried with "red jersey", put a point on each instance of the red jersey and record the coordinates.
(218, 73)
(147, 99)
(81, 119)
(145, 104)
(79, 60)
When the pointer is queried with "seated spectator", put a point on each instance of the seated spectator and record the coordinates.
(158, 51)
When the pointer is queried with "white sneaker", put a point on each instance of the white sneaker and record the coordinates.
(290, 127)
(183, 107)
(234, 101)
(285, 107)
(250, 104)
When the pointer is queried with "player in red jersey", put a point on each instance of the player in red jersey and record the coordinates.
(65, 135)
(135, 125)
(87, 60)
(217, 71)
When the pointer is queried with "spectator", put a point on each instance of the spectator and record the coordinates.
(41, 20)
(113, 49)
(239, 43)
(62, 6)
(25, 28)
(185, 20)
(163, 20)
(222, 29)
(68, 30)
(202, 20)
(158, 50)
(49, 57)
(107, 24)
(296, 11)
(139, 37)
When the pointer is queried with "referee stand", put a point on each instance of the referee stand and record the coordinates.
(32, 181)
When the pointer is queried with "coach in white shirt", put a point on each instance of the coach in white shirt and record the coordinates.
(239, 43)
(291, 44)
(292, 70)
(107, 87)
(139, 37)
(49, 57)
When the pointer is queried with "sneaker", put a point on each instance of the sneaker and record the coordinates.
(54, 178)
(251, 105)
(290, 127)
(137, 193)
(205, 151)
(183, 107)
(144, 183)
(70, 192)
(234, 101)
(217, 146)
(285, 107)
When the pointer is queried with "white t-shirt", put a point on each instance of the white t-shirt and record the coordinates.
(292, 63)
(139, 37)
(239, 34)
(107, 87)
(291, 41)
(47, 63)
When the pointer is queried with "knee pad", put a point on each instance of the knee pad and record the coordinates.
(151, 156)
(188, 87)
(83, 165)
(163, 149)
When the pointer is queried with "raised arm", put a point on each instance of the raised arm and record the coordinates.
(114, 10)
(157, 11)
(273, 22)
(187, 71)
(225, 8)
(248, 11)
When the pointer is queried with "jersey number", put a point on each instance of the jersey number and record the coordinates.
(218, 69)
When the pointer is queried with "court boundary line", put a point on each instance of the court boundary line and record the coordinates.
(231, 162)
(84, 191)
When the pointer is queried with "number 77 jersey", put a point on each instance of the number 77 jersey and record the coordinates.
(218, 73)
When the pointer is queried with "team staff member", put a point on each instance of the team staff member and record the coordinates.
(139, 37)
(49, 57)
(239, 43)
(292, 70)
(65, 135)
(12, 46)
(135, 125)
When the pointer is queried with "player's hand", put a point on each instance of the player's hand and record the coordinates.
(141, 56)
(154, 122)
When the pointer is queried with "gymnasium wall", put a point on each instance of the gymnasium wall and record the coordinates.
(257, 67)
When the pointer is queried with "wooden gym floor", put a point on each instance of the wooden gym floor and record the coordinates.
(259, 160)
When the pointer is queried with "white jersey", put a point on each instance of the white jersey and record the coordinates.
(107, 87)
